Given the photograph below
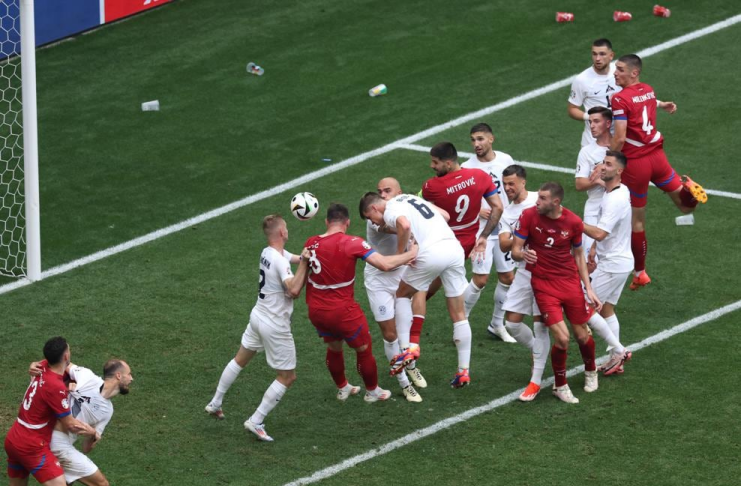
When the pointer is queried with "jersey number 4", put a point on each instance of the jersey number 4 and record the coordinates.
(647, 127)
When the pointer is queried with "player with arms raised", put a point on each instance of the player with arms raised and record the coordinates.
(636, 135)
(45, 403)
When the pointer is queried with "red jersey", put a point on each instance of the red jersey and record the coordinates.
(637, 105)
(45, 401)
(552, 240)
(460, 193)
(332, 269)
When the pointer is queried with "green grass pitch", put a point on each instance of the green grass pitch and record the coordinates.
(175, 308)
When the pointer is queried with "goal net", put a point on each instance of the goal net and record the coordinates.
(18, 167)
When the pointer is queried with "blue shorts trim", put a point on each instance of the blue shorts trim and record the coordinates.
(41, 464)
(663, 183)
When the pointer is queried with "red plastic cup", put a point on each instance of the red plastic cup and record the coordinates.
(562, 17)
(660, 11)
(619, 16)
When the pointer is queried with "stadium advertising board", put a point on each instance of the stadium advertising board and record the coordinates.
(116, 9)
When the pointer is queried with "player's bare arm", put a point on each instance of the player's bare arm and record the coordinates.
(520, 252)
(668, 106)
(90, 442)
(403, 233)
(294, 284)
(575, 112)
(594, 232)
(71, 424)
(505, 241)
(581, 264)
(387, 263)
(618, 139)
(497, 208)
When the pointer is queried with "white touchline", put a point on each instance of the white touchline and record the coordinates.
(330, 169)
(552, 168)
(504, 400)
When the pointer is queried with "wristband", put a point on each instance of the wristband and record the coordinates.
(585, 116)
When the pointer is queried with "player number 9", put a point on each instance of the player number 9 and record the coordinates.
(461, 206)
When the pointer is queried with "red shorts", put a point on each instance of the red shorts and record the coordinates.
(39, 461)
(555, 298)
(348, 324)
(653, 167)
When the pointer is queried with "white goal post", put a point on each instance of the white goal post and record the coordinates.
(20, 234)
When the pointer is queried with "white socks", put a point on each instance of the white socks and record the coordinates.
(471, 296)
(541, 347)
(614, 325)
(270, 399)
(598, 324)
(391, 349)
(500, 295)
(231, 372)
(462, 338)
(521, 333)
(403, 311)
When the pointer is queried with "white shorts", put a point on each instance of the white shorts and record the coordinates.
(381, 291)
(275, 338)
(520, 298)
(493, 257)
(609, 286)
(76, 465)
(443, 259)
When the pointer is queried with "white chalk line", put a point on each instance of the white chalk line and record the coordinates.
(350, 162)
(501, 401)
(552, 168)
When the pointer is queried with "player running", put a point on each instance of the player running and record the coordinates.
(636, 135)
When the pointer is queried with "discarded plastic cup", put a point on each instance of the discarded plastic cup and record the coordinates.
(151, 105)
(660, 11)
(377, 90)
(562, 17)
(253, 68)
(619, 16)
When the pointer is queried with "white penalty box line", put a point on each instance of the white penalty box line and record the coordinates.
(553, 168)
(215, 213)
(499, 402)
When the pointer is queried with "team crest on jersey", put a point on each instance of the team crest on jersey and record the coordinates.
(366, 245)
(382, 309)
(564, 234)
(609, 88)
(65, 403)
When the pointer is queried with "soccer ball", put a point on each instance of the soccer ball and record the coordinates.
(304, 205)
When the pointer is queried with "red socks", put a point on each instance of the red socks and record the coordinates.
(416, 330)
(688, 200)
(558, 362)
(639, 247)
(336, 366)
(367, 368)
(587, 355)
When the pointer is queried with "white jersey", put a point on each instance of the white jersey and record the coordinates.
(88, 405)
(383, 243)
(591, 89)
(428, 226)
(615, 255)
(590, 156)
(494, 169)
(272, 299)
(511, 215)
